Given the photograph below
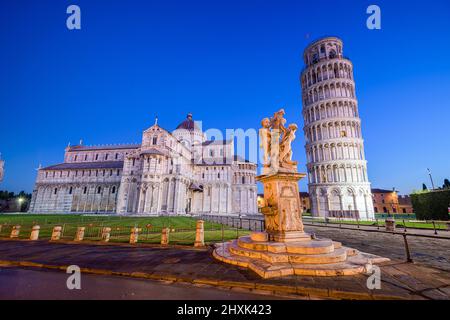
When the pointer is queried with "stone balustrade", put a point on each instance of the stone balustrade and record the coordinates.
(104, 234)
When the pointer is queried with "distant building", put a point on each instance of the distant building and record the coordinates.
(405, 204)
(389, 202)
(385, 201)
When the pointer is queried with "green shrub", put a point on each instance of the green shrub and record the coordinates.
(432, 205)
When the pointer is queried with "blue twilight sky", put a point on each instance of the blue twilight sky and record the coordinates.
(229, 63)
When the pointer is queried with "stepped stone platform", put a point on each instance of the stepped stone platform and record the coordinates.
(308, 257)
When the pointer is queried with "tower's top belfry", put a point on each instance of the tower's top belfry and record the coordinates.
(327, 48)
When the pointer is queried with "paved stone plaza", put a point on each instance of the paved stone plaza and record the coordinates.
(44, 284)
(424, 251)
(196, 266)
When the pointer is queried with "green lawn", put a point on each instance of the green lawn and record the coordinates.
(381, 222)
(182, 228)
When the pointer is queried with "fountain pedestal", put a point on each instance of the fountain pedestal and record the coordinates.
(283, 210)
(284, 248)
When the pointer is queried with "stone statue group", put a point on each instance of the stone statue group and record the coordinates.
(276, 143)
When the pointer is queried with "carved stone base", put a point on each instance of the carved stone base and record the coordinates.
(289, 236)
(311, 257)
(283, 210)
(285, 249)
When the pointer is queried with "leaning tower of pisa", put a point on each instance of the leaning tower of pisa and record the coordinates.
(337, 169)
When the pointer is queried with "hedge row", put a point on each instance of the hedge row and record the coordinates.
(431, 205)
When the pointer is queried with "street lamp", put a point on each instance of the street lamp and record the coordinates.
(431, 178)
(392, 207)
(20, 200)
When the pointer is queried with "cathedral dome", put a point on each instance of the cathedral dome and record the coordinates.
(188, 124)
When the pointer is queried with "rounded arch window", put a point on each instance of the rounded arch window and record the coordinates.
(332, 54)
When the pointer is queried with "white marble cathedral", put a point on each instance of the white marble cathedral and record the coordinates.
(337, 168)
(168, 173)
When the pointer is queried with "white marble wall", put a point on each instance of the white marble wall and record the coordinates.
(158, 176)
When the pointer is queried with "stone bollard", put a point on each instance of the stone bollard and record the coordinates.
(165, 236)
(35, 233)
(106, 234)
(134, 235)
(56, 233)
(15, 231)
(390, 224)
(199, 234)
(80, 234)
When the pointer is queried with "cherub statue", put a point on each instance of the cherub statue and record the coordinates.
(277, 121)
(286, 147)
(276, 140)
(264, 140)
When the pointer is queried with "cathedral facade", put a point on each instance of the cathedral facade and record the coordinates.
(179, 172)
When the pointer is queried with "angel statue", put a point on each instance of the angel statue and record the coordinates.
(286, 148)
(276, 141)
(264, 141)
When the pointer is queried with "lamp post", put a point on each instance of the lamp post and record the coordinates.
(392, 207)
(20, 200)
(431, 178)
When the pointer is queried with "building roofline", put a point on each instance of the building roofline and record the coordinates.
(377, 190)
(103, 147)
(217, 142)
(314, 42)
(85, 165)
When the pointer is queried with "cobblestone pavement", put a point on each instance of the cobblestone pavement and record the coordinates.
(424, 251)
(196, 266)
